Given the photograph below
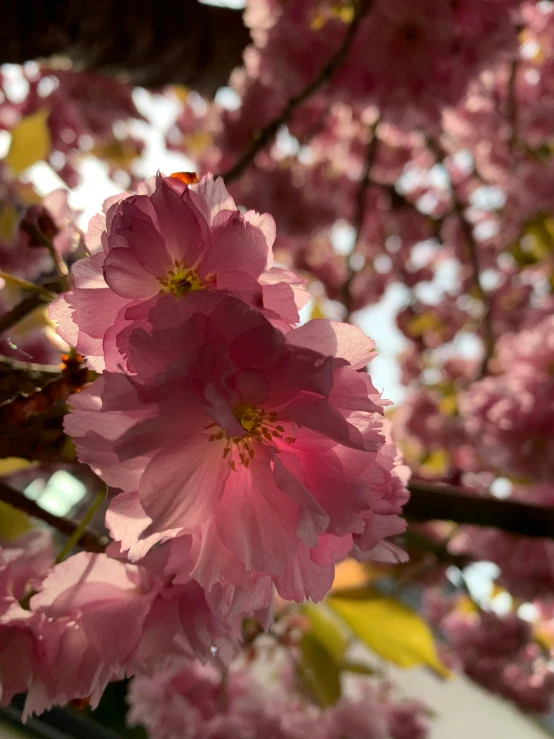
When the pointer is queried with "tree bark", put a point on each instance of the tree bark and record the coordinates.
(431, 502)
(148, 43)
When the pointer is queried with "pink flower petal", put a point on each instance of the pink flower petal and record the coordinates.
(183, 483)
(256, 520)
(128, 278)
(339, 340)
(239, 247)
(178, 225)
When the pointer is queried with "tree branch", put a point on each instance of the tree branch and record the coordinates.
(359, 213)
(512, 112)
(151, 44)
(88, 540)
(265, 135)
(433, 502)
(11, 317)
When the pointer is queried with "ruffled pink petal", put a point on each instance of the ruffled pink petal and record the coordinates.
(313, 519)
(339, 340)
(239, 247)
(341, 496)
(61, 312)
(376, 529)
(279, 298)
(277, 275)
(243, 285)
(183, 483)
(303, 578)
(318, 415)
(210, 196)
(126, 521)
(128, 278)
(81, 568)
(266, 223)
(256, 520)
(94, 310)
(178, 224)
(88, 273)
(350, 392)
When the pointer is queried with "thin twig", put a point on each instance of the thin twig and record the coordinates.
(75, 537)
(473, 252)
(12, 317)
(42, 292)
(512, 113)
(88, 539)
(266, 134)
(360, 212)
(41, 295)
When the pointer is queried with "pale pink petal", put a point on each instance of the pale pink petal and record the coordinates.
(256, 520)
(87, 273)
(94, 310)
(178, 224)
(279, 298)
(266, 224)
(126, 521)
(339, 340)
(61, 312)
(288, 476)
(238, 247)
(128, 278)
(318, 415)
(182, 484)
(210, 196)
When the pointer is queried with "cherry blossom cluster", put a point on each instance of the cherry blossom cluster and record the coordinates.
(189, 700)
(243, 455)
(246, 455)
(498, 652)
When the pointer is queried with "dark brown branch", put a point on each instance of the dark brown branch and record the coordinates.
(11, 317)
(265, 136)
(89, 539)
(512, 113)
(18, 378)
(432, 502)
(150, 43)
(359, 212)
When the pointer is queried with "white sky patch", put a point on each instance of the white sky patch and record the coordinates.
(379, 322)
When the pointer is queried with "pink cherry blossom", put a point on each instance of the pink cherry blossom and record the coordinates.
(172, 240)
(96, 619)
(270, 427)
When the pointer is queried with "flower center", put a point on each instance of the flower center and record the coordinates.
(259, 425)
(180, 280)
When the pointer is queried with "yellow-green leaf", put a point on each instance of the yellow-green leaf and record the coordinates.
(9, 465)
(318, 670)
(9, 218)
(435, 462)
(327, 629)
(358, 668)
(390, 629)
(30, 141)
(13, 523)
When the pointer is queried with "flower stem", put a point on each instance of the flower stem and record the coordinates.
(46, 295)
(76, 535)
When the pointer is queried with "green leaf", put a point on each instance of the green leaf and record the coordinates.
(10, 465)
(319, 670)
(328, 631)
(13, 523)
(358, 668)
(390, 629)
(30, 141)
